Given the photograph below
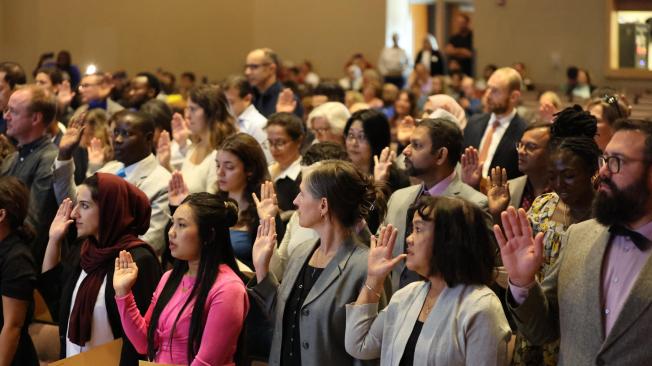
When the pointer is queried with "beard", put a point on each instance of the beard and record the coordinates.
(412, 170)
(621, 206)
(500, 107)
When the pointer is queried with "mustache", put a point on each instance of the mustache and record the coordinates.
(608, 182)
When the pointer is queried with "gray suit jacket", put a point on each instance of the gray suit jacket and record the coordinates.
(148, 175)
(568, 304)
(401, 200)
(324, 315)
(516, 189)
(467, 326)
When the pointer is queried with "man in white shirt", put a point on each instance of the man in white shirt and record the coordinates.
(393, 63)
(132, 141)
(491, 138)
(239, 93)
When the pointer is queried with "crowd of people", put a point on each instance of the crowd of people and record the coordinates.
(406, 214)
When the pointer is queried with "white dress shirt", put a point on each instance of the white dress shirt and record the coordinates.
(497, 136)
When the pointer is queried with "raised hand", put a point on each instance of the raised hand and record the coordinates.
(286, 101)
(521, 254)
(383, 164)
(164, 150)
(61, 222)
(125, 274)
(72, 137)
(180, 129)
(267, 205)
(65, 94)
(404, 130)
(177, 189)
(380, 261)
(264, 247)
(471, 167)
(498, 193)
(96, 152)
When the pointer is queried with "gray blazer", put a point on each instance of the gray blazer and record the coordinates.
(467, 326)
(148, 175)
(567, 304)
(324, 316)
(401, 200)
(516, 189)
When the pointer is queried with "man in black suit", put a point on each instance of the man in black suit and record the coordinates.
(491, 138)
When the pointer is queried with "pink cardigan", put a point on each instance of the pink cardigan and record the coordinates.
(225, 311)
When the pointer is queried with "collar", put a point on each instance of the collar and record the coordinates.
(646, 230)
(27, 149)
(441, 186)
(139, 165)
(292, 171)
(246, 115)
(505, 120)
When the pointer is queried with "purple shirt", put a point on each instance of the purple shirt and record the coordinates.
(441, 186)
(622, 264)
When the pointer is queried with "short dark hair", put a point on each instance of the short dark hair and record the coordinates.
(645, 127)
(323, 151)
(376, 129)
(240, 83)
(536, 125)
(292, 124)
(160, 113)
(189, 75)
(444, 133)
(332, 90)
(14, 74)
(143, 121)
(152, 81)
(463, 249)
(55, 75)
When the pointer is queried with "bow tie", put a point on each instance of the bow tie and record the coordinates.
(637, 238)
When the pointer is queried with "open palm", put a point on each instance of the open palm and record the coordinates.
(62, 221)
(521, 254)
(267, 205)
(498, 193)
(125, 274)
(380, 261)
(264, 247)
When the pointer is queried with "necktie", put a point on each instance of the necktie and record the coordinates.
(121, 173)
(484, 150)
(637, 238)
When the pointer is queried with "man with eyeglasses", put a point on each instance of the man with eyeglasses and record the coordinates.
(532, 162)
(261, 69)
(95, 90)
(597, 297)
(132, 137)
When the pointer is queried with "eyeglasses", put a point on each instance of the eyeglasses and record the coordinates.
(88, 85)
(528, 147)
(319, 131)
(613, 102)
(360, 137)
(614, 162)
(255, 66)
(278, 144)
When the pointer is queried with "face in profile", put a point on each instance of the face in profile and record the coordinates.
(196, 117)
(309, 208)
(419, 245)
(86, 214)
(185, 243)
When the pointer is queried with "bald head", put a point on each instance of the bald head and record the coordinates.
(261, 67)
(503, 90)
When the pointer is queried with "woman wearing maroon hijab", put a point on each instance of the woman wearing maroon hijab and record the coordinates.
(109, 215)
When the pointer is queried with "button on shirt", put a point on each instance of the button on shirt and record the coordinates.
(497, 136)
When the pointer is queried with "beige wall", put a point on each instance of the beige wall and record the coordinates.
(209, 37)
(540, 32)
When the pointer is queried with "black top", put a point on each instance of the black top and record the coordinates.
(17, 281)
(287, 190)
(411, 346)
(291, 342)
(464, 41)
(437, 63)
(265, 102)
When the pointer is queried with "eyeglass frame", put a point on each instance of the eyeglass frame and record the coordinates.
(276, 144)
(360, 138)
(604, 160)
(519, 145)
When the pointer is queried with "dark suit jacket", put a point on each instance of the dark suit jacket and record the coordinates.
(436, 62)
(58, 284)
(505, 156)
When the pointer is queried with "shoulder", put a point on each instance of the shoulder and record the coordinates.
(15, 253)
(478, 118)
(405, 192)
(408, 292)
(476, 299)
(142, 255)
(111, 167)
(228, 282)
(519, 122)
(544, 202)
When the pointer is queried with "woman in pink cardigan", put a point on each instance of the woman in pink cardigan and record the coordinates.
(199, 307)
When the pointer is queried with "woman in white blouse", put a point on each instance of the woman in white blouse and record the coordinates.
(450, 318)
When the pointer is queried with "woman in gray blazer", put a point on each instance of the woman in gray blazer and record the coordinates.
(451, 318)
(321, 277)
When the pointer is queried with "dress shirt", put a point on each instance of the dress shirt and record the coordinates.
(441, 186)
(251, 122)
(497, 136)
(621, 266)
(393, 61)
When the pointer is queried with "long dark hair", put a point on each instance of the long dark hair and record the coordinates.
(14, 199)
(248, 150)
(213, 216)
